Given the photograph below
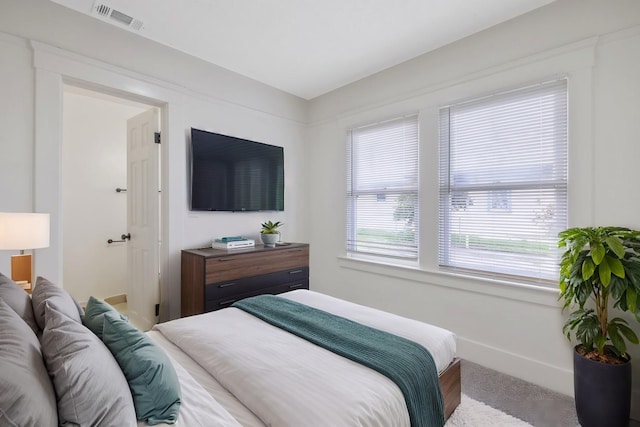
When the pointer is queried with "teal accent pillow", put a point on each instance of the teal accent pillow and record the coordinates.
(94, 315)
(152, 379)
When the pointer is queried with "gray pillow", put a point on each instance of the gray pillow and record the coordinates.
(26, 394)
(89, 384)
(18, 300)
(58, 298)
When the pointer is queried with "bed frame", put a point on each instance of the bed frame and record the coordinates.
(451, 387)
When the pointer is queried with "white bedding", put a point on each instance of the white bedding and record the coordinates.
(287, 381)
(209, 384)
(198, 407)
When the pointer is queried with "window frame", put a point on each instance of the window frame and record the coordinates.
(399, 188)
(445, 191)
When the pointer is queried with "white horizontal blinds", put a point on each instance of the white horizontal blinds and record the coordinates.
(382, 189)
(503, 182)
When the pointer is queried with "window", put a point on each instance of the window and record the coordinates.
(503, 182)
(382, 189)
(500, 200)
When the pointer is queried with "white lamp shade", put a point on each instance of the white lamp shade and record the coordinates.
(19, 231)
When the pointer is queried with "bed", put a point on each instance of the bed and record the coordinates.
(302, 380)
(233, 369)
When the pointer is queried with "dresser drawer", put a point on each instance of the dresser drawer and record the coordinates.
(214, 278)
(236, 266)
(245, 285)
(217, 304)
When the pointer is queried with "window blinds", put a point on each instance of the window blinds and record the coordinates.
(382, 189)
(503, 182)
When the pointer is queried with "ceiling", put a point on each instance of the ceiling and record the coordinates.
(304, 47)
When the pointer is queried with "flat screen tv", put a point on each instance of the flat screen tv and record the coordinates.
(234, 174)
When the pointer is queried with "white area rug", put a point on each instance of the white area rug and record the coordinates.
(471, 413)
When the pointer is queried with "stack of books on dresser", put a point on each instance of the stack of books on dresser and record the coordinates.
(234, 242)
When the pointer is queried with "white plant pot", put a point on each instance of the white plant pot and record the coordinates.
(270, 240)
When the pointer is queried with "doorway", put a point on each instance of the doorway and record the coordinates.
(53, 69)
(94, 198)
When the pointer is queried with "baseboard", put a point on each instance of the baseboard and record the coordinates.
(533, 371)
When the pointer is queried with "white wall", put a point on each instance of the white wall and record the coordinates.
(204, 96)
(94, 163)
(16, 145)
(514, 329)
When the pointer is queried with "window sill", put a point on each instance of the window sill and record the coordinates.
(511, 290)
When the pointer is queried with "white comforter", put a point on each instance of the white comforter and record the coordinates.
(286, 381)
(198, 407)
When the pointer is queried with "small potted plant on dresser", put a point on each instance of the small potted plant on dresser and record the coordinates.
(270, 234)
(600, 270)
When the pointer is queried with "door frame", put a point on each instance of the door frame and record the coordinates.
(56, 67)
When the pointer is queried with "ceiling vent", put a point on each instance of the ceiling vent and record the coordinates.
(111, 14)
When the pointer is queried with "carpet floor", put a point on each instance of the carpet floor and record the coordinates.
(471, 413)
(538, 406)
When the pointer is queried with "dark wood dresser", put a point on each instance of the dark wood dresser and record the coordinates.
(215, 278)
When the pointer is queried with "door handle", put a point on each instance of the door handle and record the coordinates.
(123, 238)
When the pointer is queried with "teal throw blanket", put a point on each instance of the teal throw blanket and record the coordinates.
(405, 362)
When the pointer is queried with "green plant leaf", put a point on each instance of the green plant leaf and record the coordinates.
(588, 267)
(632, 298)
(632, 271)
(597, 252)
(616, 246)
(563, 288)
(628, 334)
(270, 227)
(587, 328)
(599, 341)
(604, 272)
(616, 266)
(616, 338)
(619, 320)
(583, 292)
(617, 287)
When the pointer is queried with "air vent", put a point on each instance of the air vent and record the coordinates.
(103, 10)
(122, 18)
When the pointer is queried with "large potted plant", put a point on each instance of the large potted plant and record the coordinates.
(599, 273)
(270, 234)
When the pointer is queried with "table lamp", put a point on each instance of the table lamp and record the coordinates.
(20, 231)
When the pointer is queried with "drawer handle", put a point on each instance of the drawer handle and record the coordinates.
(227, 302)
(299, 285)
(295, 271)
(226, 285)
(224, 259)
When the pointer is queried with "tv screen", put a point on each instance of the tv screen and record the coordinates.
(234, 174)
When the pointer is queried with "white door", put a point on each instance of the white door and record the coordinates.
(143, 218)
